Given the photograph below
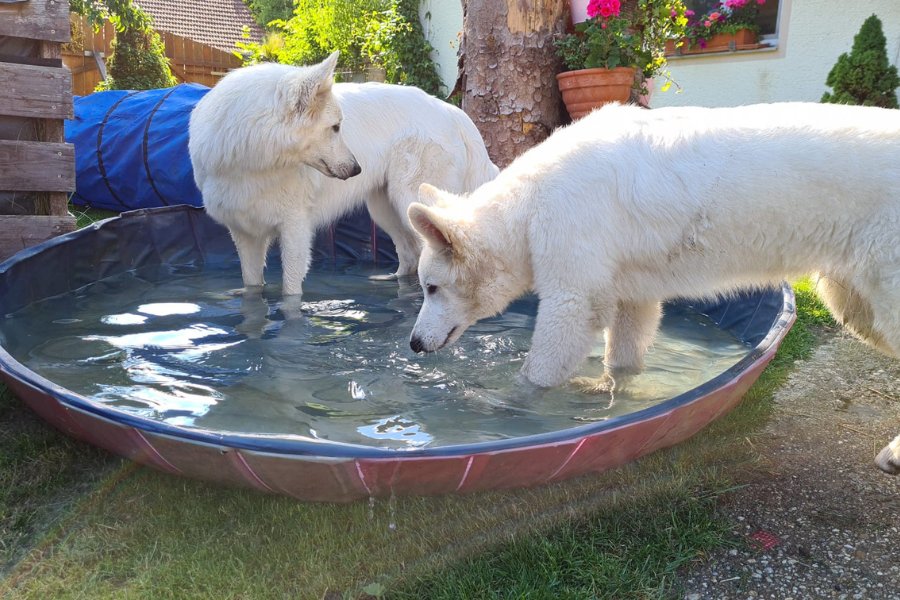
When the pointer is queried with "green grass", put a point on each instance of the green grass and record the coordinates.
(630, 548)
(116, 531)
(85, 215)
(41, 473)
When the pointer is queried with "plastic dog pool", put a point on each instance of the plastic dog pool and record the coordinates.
(321, 470)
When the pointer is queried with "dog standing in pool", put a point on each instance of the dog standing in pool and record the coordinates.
(628, 207)
(279, 151)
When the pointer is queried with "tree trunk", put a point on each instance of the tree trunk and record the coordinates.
(509, 67)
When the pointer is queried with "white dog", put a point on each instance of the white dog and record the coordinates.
(629, 207)
(271, 146)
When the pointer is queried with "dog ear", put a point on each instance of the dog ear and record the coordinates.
(432, 196)
(430, 225)
(326, 71)
(306, 87)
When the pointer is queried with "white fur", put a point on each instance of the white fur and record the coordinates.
(630, 207)
(888, 460)
(270, 164)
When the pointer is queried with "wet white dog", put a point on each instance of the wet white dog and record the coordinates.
(280, 151)
(629, 207)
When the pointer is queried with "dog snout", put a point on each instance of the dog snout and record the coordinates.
(341, 171)
(416, 344)
(347, 171)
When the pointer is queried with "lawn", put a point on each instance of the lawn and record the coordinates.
(76, 522)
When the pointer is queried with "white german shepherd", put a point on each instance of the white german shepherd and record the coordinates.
(271, 146)
(629, 207)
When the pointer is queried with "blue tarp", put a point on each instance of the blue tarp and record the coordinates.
(131, 148)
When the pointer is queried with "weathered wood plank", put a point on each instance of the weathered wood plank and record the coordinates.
(35, 92)
(19, 232)
(36, 20)
(53, 130)
(36, 167)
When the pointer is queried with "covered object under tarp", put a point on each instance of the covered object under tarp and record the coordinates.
(131, 148)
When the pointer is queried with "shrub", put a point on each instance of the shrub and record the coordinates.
(864, 76)
(376, 33)
(138, 62)
(266, 11)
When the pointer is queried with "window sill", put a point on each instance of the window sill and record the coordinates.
(761, 48)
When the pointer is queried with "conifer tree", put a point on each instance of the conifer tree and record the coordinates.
(864, 76)
(138, 62)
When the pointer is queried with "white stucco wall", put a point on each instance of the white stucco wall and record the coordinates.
(442, 21)
(812, 34)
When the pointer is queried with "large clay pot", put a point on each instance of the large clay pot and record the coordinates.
(586, 89)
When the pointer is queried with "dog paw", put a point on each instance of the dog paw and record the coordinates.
(594, 385)
(292, 307)
(888, 460)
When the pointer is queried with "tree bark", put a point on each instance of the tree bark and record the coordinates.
(509, 67)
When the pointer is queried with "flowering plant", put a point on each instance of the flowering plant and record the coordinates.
(624, 33)
(729, 17)
(607, 39)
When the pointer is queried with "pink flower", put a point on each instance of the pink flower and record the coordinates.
(707, 23)
(689, 13)
(604, 8)
(714, 16)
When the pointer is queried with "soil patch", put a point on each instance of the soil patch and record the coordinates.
(819, 520)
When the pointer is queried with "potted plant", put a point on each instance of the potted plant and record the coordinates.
(732, 26)
(615, 51)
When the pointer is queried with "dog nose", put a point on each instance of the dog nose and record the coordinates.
(416, 344)
(356, 170)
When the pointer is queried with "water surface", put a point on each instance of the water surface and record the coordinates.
(180, 346)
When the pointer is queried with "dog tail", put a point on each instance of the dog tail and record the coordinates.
(480, 168)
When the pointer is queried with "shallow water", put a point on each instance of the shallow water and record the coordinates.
(181, 346)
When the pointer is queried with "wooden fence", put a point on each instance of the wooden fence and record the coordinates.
(37, 167)
(190, 61)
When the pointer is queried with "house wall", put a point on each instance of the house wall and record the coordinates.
(812, 34)
(442, 21)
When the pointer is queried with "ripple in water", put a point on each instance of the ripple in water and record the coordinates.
(189, 351)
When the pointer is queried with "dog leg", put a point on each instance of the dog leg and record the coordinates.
(408, 247)
(627, 339)
(563, 335)
(296, 244)
(630, 335)
(252, 253)
(872, 318)
(888, 460)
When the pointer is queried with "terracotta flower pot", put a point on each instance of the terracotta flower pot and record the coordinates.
(586, 89)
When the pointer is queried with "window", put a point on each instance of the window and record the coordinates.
(767, 18)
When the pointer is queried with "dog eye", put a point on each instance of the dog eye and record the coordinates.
(336, 128)
(431, 289)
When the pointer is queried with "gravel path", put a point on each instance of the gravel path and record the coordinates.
(819, 520)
